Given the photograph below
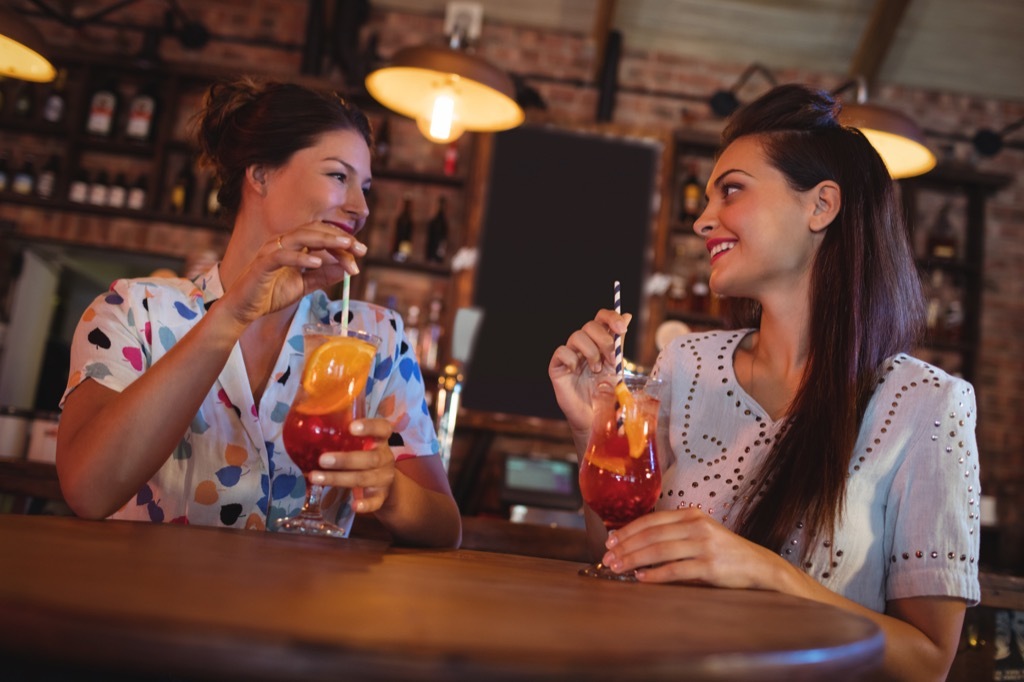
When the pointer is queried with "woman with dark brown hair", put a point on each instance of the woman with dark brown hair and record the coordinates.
(805, 451)
(179, 388)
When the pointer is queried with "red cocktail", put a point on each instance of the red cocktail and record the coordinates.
(330, 395)
(620, 479)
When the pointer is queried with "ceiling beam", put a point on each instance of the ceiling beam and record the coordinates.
(877, 39)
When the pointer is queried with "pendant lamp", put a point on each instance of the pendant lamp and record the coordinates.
(895, 136)
(446, 90)
(21, 49)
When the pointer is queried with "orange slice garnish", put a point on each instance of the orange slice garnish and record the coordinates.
(633, 424)
(335, 373)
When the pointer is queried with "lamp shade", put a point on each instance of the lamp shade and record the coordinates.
(896, 138)
(21, 49)
(433, 83)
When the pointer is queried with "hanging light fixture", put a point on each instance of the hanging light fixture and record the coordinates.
(895, 136)
(447, 90)
(21, 49)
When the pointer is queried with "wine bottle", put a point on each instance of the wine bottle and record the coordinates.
(24, 181)
(47, 181)
(181, 190)
(142, 114)
(78, 192)
(692, 192)
(437, 233)
(56, 102)
(412, 329)
(430, 337)
(403, 232)
(137, 194)
(118, 195)
(99, 189)
(4, 173)
(942, 242)
(24, 100)
(102, 109)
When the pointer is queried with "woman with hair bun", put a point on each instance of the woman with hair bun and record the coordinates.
(803, 449)
(179, 388)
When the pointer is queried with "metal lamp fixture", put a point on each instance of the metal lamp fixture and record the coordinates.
(896, 137)
(21, 49)
(446, 90)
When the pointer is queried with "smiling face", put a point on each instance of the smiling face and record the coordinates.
(761, 234)
(326, 182)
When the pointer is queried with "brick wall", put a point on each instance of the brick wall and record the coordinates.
(666, 92)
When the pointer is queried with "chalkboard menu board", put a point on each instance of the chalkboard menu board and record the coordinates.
(567, 214)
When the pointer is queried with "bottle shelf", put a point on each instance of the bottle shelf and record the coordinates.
(418, 266)
(66, 206)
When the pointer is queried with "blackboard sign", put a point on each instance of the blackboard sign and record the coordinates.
(567, 214)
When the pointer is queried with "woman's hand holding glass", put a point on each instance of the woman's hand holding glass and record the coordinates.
(688, 545)
(367, 473)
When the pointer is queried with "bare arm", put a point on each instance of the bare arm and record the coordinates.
(687, 545)
(109, 444)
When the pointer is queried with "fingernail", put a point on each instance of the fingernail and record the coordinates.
(326, 460)
(611, 541)
(360, 248)
(313, 261)
(318, 478)
(356, 428)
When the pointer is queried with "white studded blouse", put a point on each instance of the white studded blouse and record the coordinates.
(911, 518)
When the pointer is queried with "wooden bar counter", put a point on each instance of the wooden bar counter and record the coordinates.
(200, 603)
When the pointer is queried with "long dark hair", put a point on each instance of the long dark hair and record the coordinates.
(866, 305)
(248, 121)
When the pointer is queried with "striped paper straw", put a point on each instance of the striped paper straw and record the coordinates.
(619, 373)
(345, 287)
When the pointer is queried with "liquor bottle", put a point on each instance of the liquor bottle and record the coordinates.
(403, 232)
(437, 233)
(99, 189)
(78, 191)
(181, 190)
(211, 205)
(56, 103)
(102, 110)
(430, 337)
(47, 181)
(412, 329)
(451, 158)
(4, 173)
(118, 195)
(691, 195)
(942, 242)
(24, 181)
(24, 100)
(382, 143)
(137, 193)
(142, 114)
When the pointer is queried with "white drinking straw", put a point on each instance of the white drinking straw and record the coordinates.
(345, 287)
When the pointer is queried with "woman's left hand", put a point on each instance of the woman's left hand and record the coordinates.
(687, 545)
(367, 473)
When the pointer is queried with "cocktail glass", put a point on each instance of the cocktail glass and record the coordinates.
(331, 393)
(620, 479)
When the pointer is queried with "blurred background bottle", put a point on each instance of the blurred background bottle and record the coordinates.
(403, 232)
(102, 109)
(437, 233)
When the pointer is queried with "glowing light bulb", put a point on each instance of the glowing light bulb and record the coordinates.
(442, 124)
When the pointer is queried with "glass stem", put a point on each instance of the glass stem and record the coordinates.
(311, 507)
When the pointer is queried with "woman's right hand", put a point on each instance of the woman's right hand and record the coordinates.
(313, 256)
(589, 351)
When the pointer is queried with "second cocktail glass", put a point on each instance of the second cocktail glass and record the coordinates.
(330, 395)
(620, 478)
